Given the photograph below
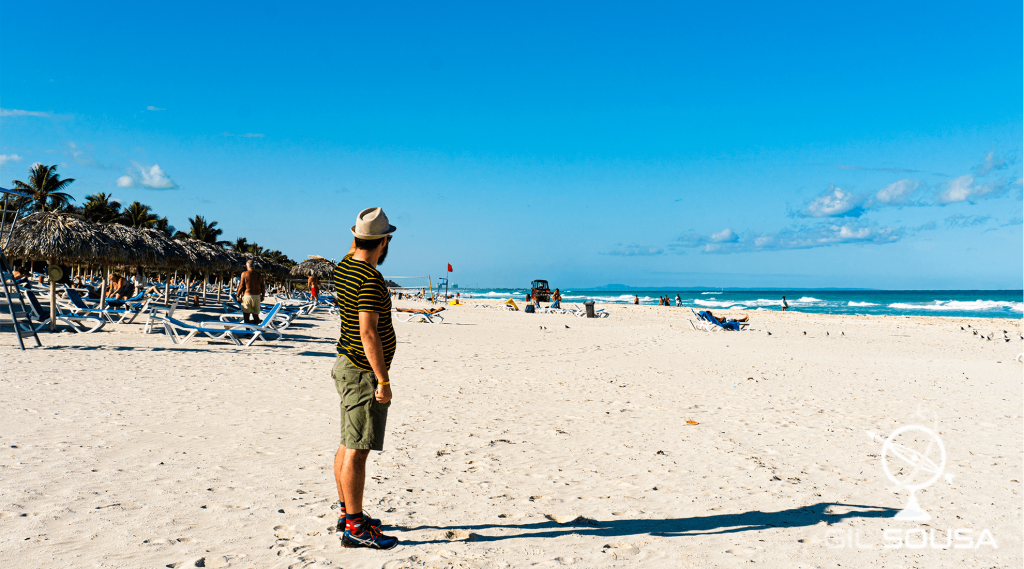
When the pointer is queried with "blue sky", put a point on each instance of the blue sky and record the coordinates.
(810, 145)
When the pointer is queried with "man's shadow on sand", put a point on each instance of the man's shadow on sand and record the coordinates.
(706, 525)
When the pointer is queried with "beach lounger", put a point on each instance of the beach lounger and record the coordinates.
(84, 324)
(510, 305)
(222, 330)
(708, 323)
(427, 315)
(126, 315)
(281, 320)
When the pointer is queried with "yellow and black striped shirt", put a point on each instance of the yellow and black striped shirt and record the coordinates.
(358, 287)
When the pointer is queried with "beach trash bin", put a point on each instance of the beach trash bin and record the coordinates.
(590, 309)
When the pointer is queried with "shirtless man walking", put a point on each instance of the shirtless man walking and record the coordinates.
(251, 291)
(313, 282)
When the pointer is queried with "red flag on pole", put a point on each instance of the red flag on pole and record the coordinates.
(449, 267)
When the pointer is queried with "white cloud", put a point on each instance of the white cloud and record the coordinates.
(151, 177)
(898, 192)
(726, 235)
(964, 189)
(834, 203)
(802, 237)
(152, 108)
(21, 113)
(5, 158)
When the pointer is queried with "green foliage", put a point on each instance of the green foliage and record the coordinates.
(204, 231)
(139, 215)
(45, 188)
(101, 208)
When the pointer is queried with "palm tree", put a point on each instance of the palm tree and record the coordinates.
(240, 245)
(100, 208)
(255, 249)
(44, 186)
(204, 231)
(138, 215)
(163, 225)
(279, 257)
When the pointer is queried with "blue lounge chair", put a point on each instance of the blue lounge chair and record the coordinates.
(84, 324)
(126, 315)
(222, 330)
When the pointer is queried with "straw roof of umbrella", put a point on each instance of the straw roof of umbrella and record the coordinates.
(265, 265)
(131, 246)
(167, 252)
(204, 256)
(314, 266)
(59, 238)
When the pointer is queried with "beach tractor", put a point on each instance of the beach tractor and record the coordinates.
(541, 292)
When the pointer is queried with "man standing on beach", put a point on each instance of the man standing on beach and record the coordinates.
(250, 293)
(785, 305)
(365, 350)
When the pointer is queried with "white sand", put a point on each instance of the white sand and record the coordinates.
(562, 446)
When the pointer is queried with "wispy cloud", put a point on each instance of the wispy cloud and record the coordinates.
(990, 164)
(799, 237)
(960, 220)
(152, 108)
(900, 192)
(1013, 221)
(151, 177)
(21, 113)
(634, 250)
(5, 158)
(895, 170)
(244, 135)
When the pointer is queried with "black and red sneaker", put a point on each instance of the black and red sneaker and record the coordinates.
(368, 536)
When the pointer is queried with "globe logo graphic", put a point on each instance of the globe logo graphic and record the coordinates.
(913, 458)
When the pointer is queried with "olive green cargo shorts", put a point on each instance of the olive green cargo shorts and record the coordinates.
(362, 418)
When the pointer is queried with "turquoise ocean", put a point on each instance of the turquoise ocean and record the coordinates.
(973, 303)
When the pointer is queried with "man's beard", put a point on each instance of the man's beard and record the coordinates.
(383, 254)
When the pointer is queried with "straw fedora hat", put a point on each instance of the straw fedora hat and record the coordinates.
(372, 223)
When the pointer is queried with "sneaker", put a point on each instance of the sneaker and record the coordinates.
(369, 537)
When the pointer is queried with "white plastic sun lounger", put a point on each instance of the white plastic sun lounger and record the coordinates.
(222, 330)
(85, 324)
(413, 315)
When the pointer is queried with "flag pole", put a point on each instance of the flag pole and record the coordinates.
(446, 284)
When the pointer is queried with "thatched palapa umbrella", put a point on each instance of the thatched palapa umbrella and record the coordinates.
(58, 238)
(314, 266)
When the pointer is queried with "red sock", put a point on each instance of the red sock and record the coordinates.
(354, 523)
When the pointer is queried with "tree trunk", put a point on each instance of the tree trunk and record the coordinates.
(53, 306)
(206, 281)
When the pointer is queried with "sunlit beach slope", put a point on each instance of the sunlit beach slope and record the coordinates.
(517, 440)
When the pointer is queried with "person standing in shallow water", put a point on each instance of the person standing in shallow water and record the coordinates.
(366, 347)
(785, 305)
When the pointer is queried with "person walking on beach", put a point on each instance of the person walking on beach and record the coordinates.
(785, 305)
(251, 291)
(366, 347)
(679, 301)
(313, 282)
